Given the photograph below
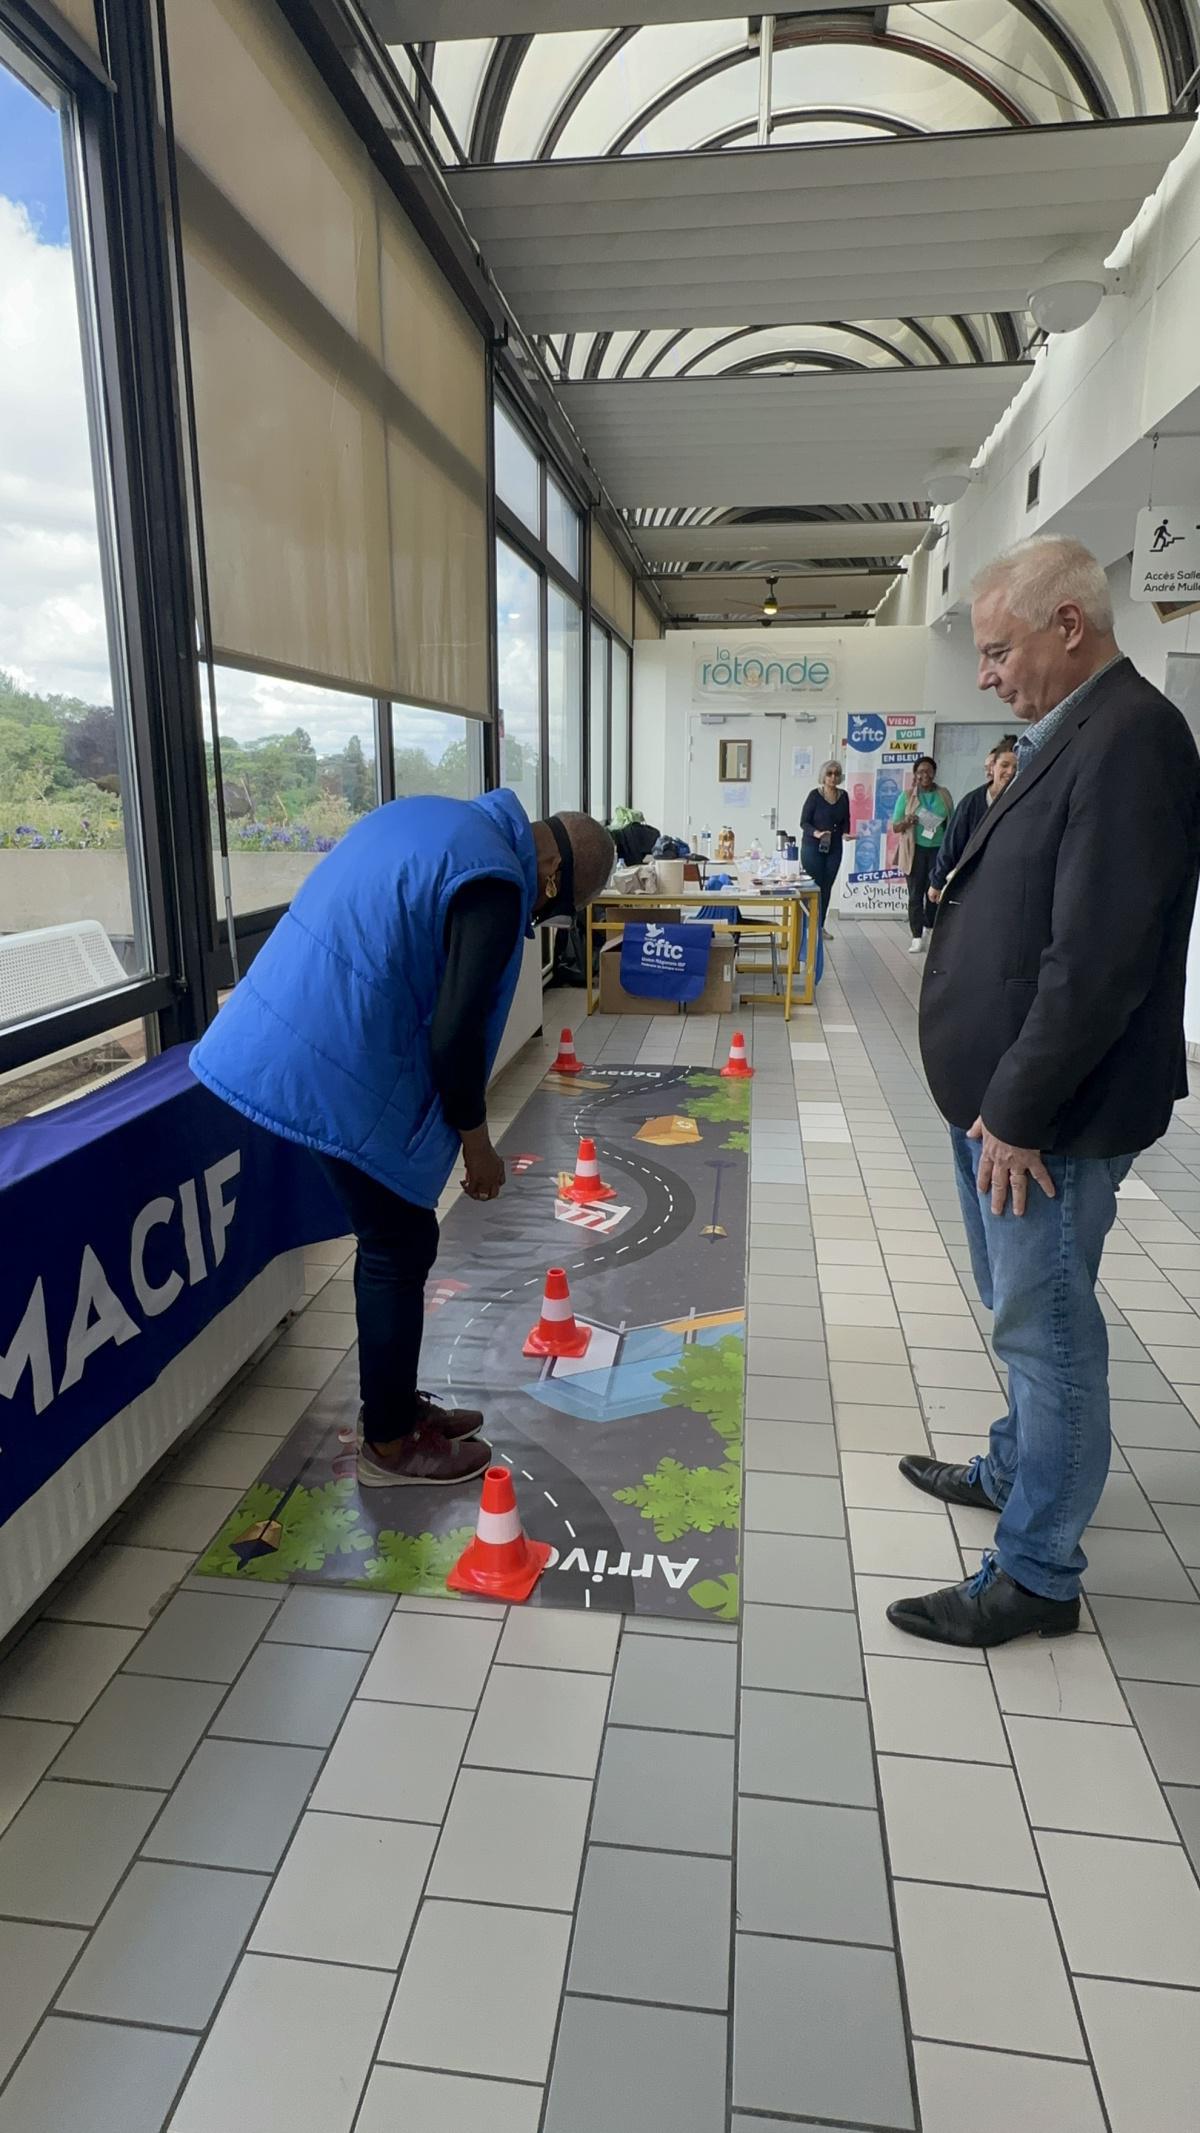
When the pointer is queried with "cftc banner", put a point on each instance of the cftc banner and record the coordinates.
(880, 754)
(665, 962)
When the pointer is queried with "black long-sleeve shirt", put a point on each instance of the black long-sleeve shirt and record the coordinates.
(483, 928)
(820, 817)
(963, 824)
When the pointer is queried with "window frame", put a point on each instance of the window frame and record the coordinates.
(533, 549)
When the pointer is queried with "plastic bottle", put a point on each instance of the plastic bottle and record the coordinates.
(706, 842)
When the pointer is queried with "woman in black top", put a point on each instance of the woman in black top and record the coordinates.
(823, 824)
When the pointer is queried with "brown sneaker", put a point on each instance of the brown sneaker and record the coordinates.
(424, 1458)
(450, 1422)
(453, 1422)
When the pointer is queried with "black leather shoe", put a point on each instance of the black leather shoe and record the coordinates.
(989, 1609)
(950, 1484)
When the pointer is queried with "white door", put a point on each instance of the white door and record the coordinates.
(785, 755)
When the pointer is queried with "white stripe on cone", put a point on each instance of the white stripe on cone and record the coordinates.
(588, 1166)
(556, 1308)
(497, 1528)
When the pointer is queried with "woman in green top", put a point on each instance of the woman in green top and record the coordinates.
(921, 817)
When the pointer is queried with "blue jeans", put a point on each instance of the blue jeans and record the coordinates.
(1047, 1459)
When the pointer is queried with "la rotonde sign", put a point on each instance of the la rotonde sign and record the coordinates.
(731, 672)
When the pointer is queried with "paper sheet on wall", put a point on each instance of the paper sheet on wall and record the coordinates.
(802, 762)
(735, 795)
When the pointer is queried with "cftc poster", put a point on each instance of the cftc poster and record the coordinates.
(879, 757)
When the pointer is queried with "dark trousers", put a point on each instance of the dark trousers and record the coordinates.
(920, 910)
(823, 866)
(397, 1245)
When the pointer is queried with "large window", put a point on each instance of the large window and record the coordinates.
(565, 699)
(619, 713)
(73, 918)
(598, 725)
(519, 641)
(436, 752)
(297, 768)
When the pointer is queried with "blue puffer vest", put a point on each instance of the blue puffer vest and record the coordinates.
(326, 1039)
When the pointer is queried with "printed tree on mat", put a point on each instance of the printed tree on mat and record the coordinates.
(413, 1562)
(726, 1104)
(315, 1523)
(717, 1596)
(679, 1499)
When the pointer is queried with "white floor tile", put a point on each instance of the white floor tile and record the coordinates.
(1092, 1778)
(347, 1891)
(998, 2092)
(289, 2051)
(1125, 1909)
(957, 1822)
(905, 1544)
(984, 1968)
(1060, 1677)
(1145, 2040)
(949, 1713)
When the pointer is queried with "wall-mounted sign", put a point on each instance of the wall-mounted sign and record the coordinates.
(751, 674)
(1166, 554)
(865, 732)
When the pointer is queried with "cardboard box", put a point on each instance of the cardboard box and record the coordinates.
(716, 999)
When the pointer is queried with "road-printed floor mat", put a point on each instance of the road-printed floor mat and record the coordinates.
(627, 1461)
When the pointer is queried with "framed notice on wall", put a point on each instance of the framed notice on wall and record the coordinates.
(735, 762)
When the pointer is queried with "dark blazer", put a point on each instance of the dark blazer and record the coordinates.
(1052, 1005)
(964, 822)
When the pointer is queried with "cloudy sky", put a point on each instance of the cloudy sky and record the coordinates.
(52, 627)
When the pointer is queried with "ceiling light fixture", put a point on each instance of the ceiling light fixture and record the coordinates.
(1070, 288)
(770, 606)
(948, 483)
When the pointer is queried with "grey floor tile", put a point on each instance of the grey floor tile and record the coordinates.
(513, 1837)
(787, 1359)
(121, 1586)
(563, 1637)
(479, 1992)
(793, 1503)
(347, 1891)
(33, 1963)
(236, 1805)
(63, 1855)
(394, 1761)
(1145, 2041)
(291, 1692)
(790, 1447)
(958, 1822)
(200, 1639)
(95, 2074)
(1018, 2000)
(432, 1659)
(141, 1731)
(685, 1687)
(59, 1668)
(665, 1791)
(694, 1628)
(166, 1946)
(28, 1746)
(446, 2103)
(1124, 1909)
(1124, 1504)
(619, 2065)
(818, 2031)
(1169, 1720)
(178, 1514)
(1004, 2091)
(813, 1872)
(1136, 1566)
(1184, 1802)
(1139, 1381)
(687, 1967)
(1092, 1778)
(532, 1718)
(290, 2049)
(1181, 1523)
(808, 1648)
(1154, 1425)
(350, 1621)
(783, 1570)
(783, 1399)
(1168, 1477)
(1150, 1640)
(805, 1748)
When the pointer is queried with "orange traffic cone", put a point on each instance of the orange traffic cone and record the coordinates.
(566, 1063)
(587, 1184)
(499, 1562)
(737, 1067)
(556, 1332)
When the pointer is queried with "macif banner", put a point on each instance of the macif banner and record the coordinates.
(665, 962)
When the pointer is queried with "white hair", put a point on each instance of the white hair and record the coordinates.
(1036, 576)
(832, 764)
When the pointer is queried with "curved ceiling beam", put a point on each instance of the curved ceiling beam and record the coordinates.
(1065, 48)
(801, 115)
(502, 71)
(588, 78)
(1173, 34)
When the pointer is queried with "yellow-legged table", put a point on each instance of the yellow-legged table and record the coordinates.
(784, 925)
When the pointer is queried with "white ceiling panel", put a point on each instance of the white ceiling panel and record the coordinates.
(847, 439)
(913, 228)
(790, 542)
(741, 598)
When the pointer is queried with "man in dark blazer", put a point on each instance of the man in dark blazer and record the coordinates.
(1052, 1035)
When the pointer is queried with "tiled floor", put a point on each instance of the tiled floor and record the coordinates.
(323, 1862)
